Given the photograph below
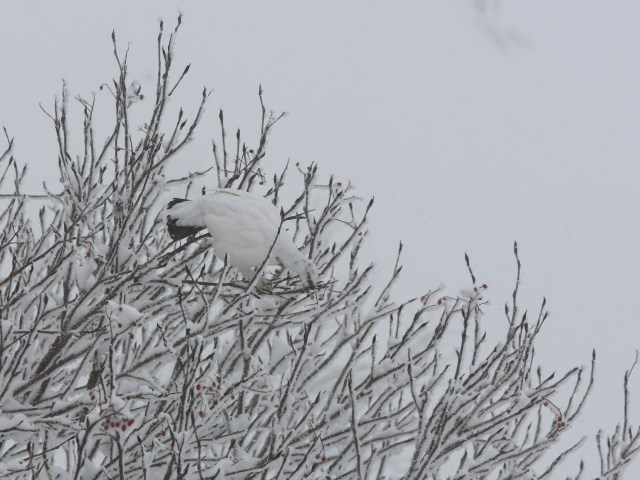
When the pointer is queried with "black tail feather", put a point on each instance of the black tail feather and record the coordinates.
(175, 201)
(177, 232)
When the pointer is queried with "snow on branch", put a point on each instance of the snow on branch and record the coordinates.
(126, 355)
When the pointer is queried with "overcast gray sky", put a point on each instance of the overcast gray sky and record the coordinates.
(474, 124)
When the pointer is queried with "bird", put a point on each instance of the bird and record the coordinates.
(243, 227)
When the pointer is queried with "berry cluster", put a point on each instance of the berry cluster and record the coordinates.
(322, 456)
(132, 324)
(209, 387)
(203, 388)
(96, 258)
(212, 388)
(559, 421)
(115, 420)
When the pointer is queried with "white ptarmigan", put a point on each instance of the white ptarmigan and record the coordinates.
(243, 226)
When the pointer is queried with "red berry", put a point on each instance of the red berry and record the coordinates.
(88, 254)
(130, 421)
(484, 285)
(546, 404)
(324, 459)
(439, 301)
(124, 427)
(201, 413)
(163, 433)
(105, 426)
(198, 386)
(168, 217)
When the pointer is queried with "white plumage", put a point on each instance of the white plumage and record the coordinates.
(243, 226)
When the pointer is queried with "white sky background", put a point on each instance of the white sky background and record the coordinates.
(473, 123)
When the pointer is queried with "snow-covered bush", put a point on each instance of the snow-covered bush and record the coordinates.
(125, 355)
